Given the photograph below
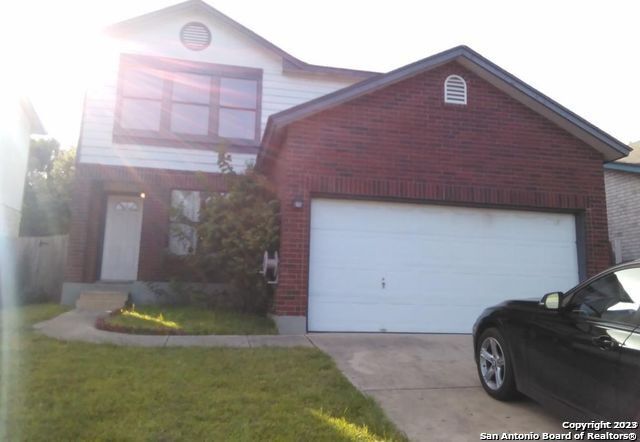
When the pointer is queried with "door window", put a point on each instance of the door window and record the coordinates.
(614, 297)
(126, 206)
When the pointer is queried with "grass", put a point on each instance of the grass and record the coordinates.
(28, 315)
(76, 391)
(189, 321)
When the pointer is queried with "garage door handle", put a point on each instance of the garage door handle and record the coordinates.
(604, 342)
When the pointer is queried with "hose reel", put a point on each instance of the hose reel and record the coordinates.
(270, 267)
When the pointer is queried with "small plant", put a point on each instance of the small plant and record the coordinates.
(128, 304)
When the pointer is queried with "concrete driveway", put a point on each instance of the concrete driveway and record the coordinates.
(428, 385)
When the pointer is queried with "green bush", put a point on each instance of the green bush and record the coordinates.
(47, 191)
(234, 230)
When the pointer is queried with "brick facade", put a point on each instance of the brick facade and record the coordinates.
(403, 143)
(91, 186)
(623, 207)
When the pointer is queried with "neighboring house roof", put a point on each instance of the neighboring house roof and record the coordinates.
(634, 156)
(37, 128)
(289, 62)
(630, 163)
(611, 148)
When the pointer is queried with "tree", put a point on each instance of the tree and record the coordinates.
(234, 231)
(47, 191)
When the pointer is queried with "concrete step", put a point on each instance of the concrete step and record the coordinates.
(101, 301)
(109, 286)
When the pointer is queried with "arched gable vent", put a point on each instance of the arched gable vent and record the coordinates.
(455, 90)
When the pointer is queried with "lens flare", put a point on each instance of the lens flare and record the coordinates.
(9, 324)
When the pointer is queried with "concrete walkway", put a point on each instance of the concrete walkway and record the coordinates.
(79, 325)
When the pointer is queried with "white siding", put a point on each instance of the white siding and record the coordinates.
(15, 133)
(161, 157)
(229, 47)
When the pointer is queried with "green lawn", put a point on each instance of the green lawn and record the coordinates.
(189, 321)
(30, 314)
(75, 391)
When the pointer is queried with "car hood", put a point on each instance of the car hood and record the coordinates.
(528, 305)
(515, 304)
(521, 302)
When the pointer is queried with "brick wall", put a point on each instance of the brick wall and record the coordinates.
(92, 185)
(404, 143)
(623, 207)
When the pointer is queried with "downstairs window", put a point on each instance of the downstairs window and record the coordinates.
(185, 214)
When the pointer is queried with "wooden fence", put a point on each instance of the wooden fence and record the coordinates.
(40, 264)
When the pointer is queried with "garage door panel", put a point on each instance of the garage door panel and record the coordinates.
(360, 216)
(340, 280)
(335, 255)
(435, 261)
(407, 250)
(431, 288)
(399, 318)
(336, 248)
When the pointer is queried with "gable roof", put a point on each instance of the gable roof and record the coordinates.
(628, 164)
(634, 156)
(611, 148)
(35, 124)
(289, 62)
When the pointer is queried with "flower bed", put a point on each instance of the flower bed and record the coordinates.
(163, 320)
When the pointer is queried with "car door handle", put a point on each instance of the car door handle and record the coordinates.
(604, 342)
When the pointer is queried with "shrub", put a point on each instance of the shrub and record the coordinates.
(234, 230)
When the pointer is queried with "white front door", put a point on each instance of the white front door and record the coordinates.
(121, 246)
(377, 266)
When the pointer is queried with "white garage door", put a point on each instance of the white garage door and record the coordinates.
(417, 268)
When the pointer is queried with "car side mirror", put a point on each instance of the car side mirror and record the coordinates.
(551, 301)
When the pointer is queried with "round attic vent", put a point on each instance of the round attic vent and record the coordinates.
(195, 36)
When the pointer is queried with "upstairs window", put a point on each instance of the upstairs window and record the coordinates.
(455, 90)
(190, 111)
(141, 103)
(179, 101)
(237, 116)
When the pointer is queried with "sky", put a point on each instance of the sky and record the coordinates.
(583, 54)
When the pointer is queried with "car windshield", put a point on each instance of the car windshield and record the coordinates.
(628, 289)
(614, 297)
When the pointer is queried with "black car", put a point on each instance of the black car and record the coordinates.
(578, 352)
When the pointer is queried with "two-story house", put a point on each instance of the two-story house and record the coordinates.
(410, 200)
(186, 80)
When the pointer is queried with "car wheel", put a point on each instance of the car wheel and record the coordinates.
(495, 367)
